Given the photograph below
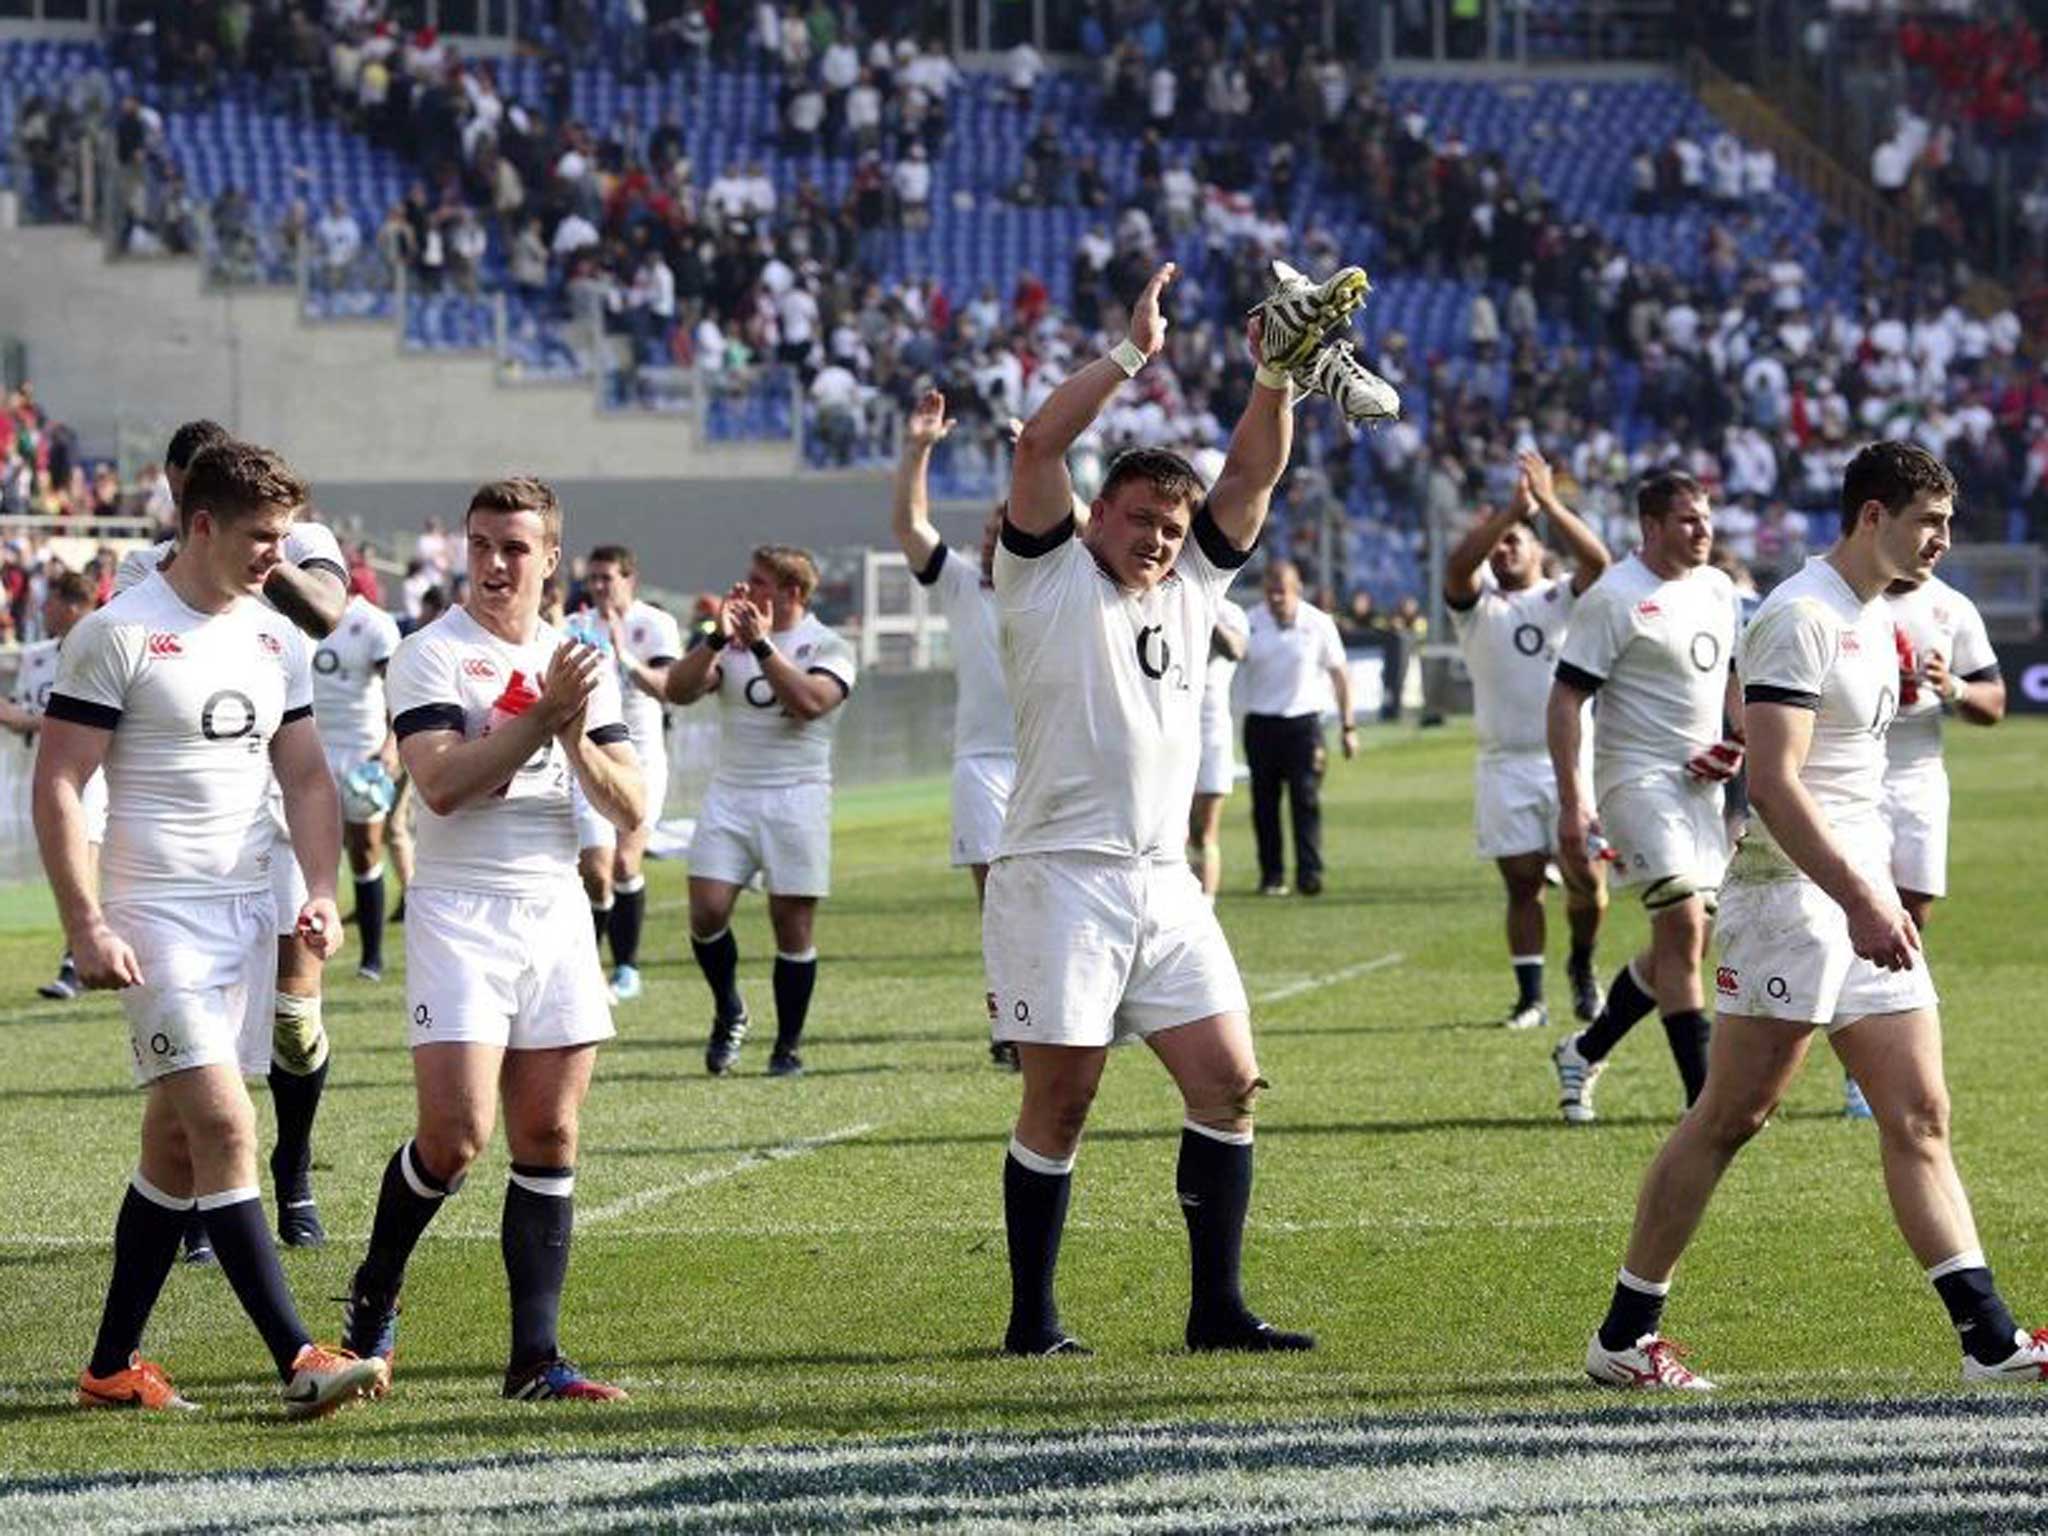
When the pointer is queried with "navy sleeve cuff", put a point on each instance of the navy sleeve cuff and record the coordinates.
(303, 712)
(329, 567)
(1215, 543)
(661, 661)
(1461, 605)
(609, 735)
(429, 717)
(936, 564)
(1989, 674)
(1579, 678)
(1030, 546)
(844, 691)
(1796, 698)
(101, 717)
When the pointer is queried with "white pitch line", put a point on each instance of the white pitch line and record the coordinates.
(1317, 983)
(641, 1199)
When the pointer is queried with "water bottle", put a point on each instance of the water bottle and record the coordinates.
(519, 696)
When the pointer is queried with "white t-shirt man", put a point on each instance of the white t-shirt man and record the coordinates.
(1657, 653)
(1934, 618)
(1510, 642)
(1095, 929)
(1286, 668)
(348, 685)
(984, 735)
(498, 943)
(1785, 946)
(1218, 768)
(768, 808)
(33, 681)
(193, 701)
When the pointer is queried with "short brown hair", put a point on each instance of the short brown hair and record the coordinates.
(1892, 474)
(614, 554)
(189, 439)
(72, 587)
(1666, 491)
(521, 493)
(790, 566)
(1161, 468)
(232, 479)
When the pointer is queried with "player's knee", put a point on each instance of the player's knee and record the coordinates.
(1922, 1121)
(1729, 1126)
(449, 1143)
(298, 1038)
(226, 1130)
(550, 1141)
(1227, 1102)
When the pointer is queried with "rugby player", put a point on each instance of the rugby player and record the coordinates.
(1654, 638)
(1509, 629)
(496, 713)
(984, 737)
(70, 598)
(780, 677)
(309, 586)
(644, 642)
(1813, 936)
(1216, 770)
(193, 695)
(1095, 929)
(362, 754)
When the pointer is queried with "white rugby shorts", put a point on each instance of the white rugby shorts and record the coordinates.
(1514, 806)
(1089, 949)
(1916, 810)
(1785, 954)
(209, 979)
(1216, 771)
(784, 832)
(517, 971)
(981, 797)
(1666, 827)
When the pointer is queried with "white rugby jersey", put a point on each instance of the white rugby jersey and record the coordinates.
(982, 723)
(192, 700)
(306, 544)
(1657, 652)
(348, 683)
(447, 677)
(1510, 643)
(35, 675)
(1221, 669)
(1286, 671)
(1815, 645)
(760, 744)
(1934, 616)
(1107, 688)
(652, 639)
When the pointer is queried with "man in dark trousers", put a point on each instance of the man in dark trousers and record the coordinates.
(1293, 672)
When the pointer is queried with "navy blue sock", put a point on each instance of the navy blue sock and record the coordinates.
(1035, 1194)
(1214, 1181)
(146, 1238)
(1633, 1312)
(629, 913)
(370, 917)
(1980, 1315)
(1529, 982)
(540, 1213)
(409, 1198)
(795, 977)
(1627, 1004)
(1687, 1032)
(248, 1257)
(719, 959)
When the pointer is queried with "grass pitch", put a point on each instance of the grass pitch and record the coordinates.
(782, 1271)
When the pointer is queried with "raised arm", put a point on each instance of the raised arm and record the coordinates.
(1259, 450)
(1461, 568)
(807, 695)
(697, 673)
(1589, 555)
(452, 771)
(1041, 493)
(910, 506)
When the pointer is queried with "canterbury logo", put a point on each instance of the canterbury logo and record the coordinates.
(1648, 609)
(1726, 981)
(271, 644)
(166, 645)
(476, 666)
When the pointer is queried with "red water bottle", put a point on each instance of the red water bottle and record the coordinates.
(519, 696)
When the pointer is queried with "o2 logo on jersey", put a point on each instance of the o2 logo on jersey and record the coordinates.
(1705, 651)
(1529, 639)
(230, 715)
(1155, 658)
(760, 693)
(326, 662)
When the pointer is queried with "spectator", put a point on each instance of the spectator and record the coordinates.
(912, 183)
